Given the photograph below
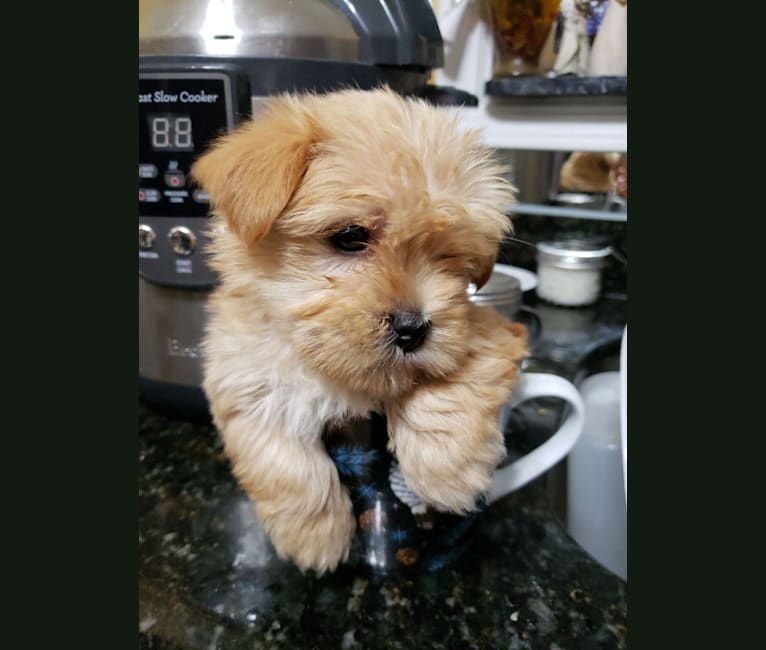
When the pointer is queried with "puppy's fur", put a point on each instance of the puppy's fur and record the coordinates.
(299, 336)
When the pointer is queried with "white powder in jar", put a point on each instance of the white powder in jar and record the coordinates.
(569, 287)
(569, 272)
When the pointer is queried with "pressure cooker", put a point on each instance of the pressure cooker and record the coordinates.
(204, 67)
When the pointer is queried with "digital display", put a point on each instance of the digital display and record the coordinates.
(170, 132)
(179, 114)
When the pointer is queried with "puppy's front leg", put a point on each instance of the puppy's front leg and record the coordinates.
(296, 490)
(445, 434)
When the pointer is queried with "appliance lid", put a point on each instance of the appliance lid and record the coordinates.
(309, 29)
(385, 32)
(395, 32)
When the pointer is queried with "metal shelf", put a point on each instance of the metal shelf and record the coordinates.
(570, 213)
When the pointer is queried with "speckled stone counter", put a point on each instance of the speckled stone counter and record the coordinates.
(208, 577)
(564, 86)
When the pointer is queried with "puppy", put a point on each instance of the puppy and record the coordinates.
(346, 230)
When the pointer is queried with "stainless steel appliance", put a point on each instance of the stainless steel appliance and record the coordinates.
(204, 66)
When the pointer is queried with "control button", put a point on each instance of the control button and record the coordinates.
(175, 179)
(147, 171)
(146, 237)
(148, 195)
(182, 240)
(201, 196)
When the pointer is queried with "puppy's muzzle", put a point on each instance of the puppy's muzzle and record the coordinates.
(409, 329)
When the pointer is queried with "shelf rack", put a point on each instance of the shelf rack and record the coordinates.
(549, 123)
(570, 213)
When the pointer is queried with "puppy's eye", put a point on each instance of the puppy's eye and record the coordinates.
(352, 239)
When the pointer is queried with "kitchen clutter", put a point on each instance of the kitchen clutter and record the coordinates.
(555, 38)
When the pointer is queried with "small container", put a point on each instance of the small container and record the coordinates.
(502, 291)
(569, 271)
(597, 514)
(521, 29)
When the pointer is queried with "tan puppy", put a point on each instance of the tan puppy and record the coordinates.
(346, 230)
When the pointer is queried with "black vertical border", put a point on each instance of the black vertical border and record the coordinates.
(70, 315)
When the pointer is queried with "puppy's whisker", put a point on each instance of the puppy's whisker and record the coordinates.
(510, 238)
(615, 253)
(619, 257)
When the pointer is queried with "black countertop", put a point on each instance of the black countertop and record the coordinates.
(208, 577)
(564, 86)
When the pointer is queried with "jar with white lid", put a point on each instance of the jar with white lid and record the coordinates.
(569, 271)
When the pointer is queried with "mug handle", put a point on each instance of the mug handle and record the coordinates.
(531, 385)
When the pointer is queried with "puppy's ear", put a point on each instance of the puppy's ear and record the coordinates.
(481, 270)
(482, 263)
(251, 173)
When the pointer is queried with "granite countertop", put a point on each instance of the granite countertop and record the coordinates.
(208, 577)
(564, 86)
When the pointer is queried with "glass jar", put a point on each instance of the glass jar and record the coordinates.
(520, 29)
(569, 271)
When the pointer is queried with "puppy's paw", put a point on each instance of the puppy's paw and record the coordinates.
(317, 540)
(445, 434)
(448, 470)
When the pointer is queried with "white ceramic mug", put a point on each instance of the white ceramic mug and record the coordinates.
(395, 530)
(532, 385)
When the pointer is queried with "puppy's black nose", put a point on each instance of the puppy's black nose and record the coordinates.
(409, 328)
